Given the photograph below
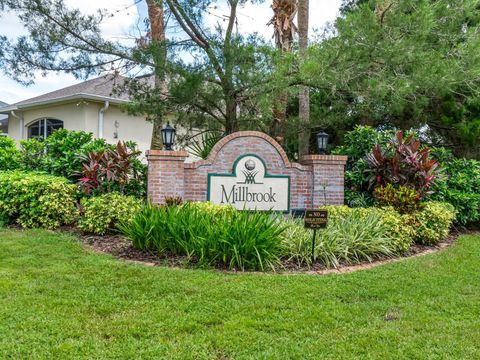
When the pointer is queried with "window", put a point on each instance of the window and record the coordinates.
(43, 128)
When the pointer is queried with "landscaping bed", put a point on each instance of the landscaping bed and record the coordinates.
(122, 249)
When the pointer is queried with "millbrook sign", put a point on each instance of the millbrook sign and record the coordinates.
(250, 186)
(250, 170)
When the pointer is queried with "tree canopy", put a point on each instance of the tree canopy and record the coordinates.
(385, 63)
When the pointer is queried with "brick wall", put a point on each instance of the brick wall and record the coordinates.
(317, 179)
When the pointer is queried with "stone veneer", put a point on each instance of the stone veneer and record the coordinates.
(317, 180)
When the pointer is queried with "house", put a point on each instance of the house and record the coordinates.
(90, 106)
(3, 121)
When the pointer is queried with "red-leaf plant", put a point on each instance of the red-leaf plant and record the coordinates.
(103, 169)
(409, 165)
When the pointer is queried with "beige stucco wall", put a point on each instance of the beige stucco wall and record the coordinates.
(84, 116)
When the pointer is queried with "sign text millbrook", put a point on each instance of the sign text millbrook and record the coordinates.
(250, 186)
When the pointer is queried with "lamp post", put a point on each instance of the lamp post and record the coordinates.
(168, 136)
(322, 142)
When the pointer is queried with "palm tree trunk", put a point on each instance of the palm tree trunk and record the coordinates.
(157, 35)
(304, 95)
(284, 12)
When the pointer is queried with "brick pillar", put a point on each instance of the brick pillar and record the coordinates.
(328, 172)
(166, 175)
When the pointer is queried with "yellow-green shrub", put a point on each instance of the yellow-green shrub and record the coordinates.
(401, 234)
(37, 200)
(212, 208)
(103, 213)
(432, 224)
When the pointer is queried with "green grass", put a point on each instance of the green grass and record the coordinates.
(59, 300)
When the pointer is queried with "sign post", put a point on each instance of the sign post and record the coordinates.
(315, 219)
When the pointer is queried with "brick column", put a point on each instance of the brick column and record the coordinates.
(328, 173)
(166, 175)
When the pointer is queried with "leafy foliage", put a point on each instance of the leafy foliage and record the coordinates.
(32, 153)
(409, 165)
(209, 235)
(102, 214)
(8, 154)
(432, 223)
(460, 186)
(357, 144)
(109, 170)
(352, 236)
(401, 198)
(64, 150)
(201, 145)
(37, 200)
(404, 64)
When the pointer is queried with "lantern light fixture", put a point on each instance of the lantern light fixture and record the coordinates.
(322, 142)
(168, 136)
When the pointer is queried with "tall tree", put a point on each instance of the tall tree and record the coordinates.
(284, 29)
(229, 73)
(222, 84)
(403, 64)
(158, 43)
(304, 93)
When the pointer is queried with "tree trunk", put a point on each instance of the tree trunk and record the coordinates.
(157, 36)
(284, 12)
(304, 94)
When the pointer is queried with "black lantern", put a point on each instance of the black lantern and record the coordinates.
(322, 142)
(168, 136)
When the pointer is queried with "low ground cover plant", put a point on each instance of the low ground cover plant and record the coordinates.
(209, 235)
(102, 214)
(36, 200)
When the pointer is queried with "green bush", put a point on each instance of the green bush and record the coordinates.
(432, 224)
(402, 198)
(8, 154)
(460, 186)
(64, 152)
(209, 235)
(32, 154)
(356, 145)
(353, 235)
(37, 200)
(102, 214)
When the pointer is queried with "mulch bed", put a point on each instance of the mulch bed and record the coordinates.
(121, 248)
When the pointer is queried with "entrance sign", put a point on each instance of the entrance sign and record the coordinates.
(250, 186)
(316, 219)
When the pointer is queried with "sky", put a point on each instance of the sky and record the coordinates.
(251, 18)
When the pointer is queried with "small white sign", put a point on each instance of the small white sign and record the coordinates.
(250, 187)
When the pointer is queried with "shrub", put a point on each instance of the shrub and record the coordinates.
(32, 153)
(37, 200)
(432, 223)
(102, 214)
(356, 145)
(63, 151)
(8, 154)
(460, 186)
(353, 235)
(401, 198)
(410, 165)
(110, 170)
(209, 234)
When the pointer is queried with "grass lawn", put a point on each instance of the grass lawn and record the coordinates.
(59, 300)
